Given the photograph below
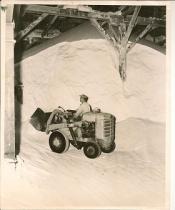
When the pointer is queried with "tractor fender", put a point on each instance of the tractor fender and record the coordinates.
(63, 133)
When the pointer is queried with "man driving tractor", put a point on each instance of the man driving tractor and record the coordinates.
(83, 108)
(92, 130)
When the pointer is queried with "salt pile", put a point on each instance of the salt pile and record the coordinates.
(80, 61)
(59, 74)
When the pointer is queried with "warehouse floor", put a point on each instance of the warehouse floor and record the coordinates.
(133, 175)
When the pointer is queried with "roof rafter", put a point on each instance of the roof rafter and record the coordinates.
(131, 25)
(75, 13)
(140, 36)
(30, 27)
(100, 29)
(50, 25)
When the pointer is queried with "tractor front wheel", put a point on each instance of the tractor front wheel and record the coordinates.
(92, 150)
(58, 143)
(110, 149)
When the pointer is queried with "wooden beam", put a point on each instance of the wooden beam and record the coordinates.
(17, 17)
(37, 33)
(99, 28)
(123, 7)
(50, 25)
(115, 34)
(140, 36)
(147, 20)
(124, 41)
(116, 20)
(122, 62)
(30, 27)
(128, 11)
(75, 13)
(96, 24)
(70, 12)
(131, 25)
(9, 13)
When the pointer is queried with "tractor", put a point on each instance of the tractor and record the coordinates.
(97, 129)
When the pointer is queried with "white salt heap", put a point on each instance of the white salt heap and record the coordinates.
(59, 74)
(133, 175)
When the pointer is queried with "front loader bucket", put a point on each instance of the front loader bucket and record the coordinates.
(39, 119)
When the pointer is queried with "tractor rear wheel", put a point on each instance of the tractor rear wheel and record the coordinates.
(92, 150)
(58, 143)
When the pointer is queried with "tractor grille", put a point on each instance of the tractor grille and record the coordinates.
(105, 127)
(109, 125)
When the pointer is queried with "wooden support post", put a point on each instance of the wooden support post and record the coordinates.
(103, 33)
(131, 25)
(96, 24)
(29, 28)
(115, 34)
(124, 41)
(17, 17)
(140, 36)
(122, 62)
(9, 118)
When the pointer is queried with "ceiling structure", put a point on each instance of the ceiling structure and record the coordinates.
(34, 24)
(52, 24)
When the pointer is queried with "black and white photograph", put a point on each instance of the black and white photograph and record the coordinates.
(84, 105)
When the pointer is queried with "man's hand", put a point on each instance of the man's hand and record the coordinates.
(47, 129)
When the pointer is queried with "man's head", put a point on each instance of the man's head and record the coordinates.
(83, 98)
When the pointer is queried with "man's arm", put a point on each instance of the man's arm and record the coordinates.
(78, 112)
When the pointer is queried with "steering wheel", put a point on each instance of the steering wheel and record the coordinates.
(64, 112)
(60, 107)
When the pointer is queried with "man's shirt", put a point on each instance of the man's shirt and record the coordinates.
(84, 107)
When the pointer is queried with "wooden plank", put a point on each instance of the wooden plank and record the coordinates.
(100, 29)
(140, 36)
(116, 20)
(128, 11)
(71, 13)
(30, 27)
(37, 33)
(115, 34)
(17, 17)
(75, 13)
(123, 47)
(123, 7)
(122, 62)
(9, 99)
(9, 13)
(103, 33)
(50, 25)
(131, 25)
(147, 20)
